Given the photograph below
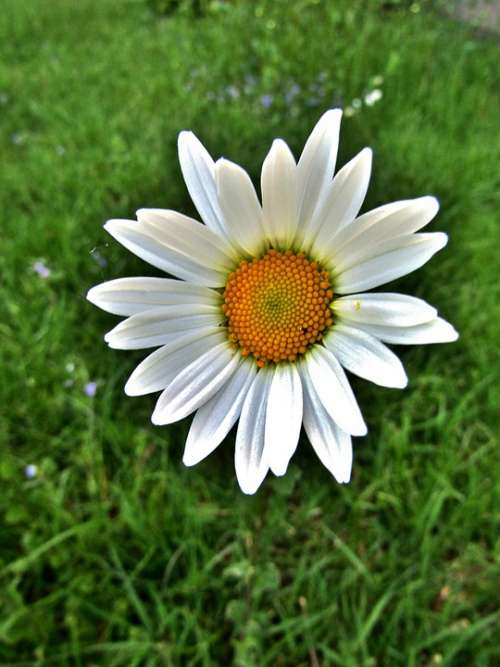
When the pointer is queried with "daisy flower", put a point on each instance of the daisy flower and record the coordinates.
(269, 305)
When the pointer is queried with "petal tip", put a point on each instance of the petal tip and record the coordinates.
(92, 295)
(248, 483)
(156, 419)
(279, 468)
(433, 203)
(141, 212)
(184, 135)
(112, 226)
(189, 461)
(360, 431)
(130, 388)
(248, 490)
(223, 164)
(332, 114)
(444, 331)
(441, 239)
(402, 382)
(453, 334)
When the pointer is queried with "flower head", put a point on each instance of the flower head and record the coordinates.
(268, 304)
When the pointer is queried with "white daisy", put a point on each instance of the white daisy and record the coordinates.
(268, 304)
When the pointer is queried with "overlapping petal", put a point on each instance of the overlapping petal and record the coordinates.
(216, 417)
(162, 325)
(283, 417)
(196, 384)
(437, 330)
(383, 308)
(158, 369)
(240, 206)
(189, 237)
(198, 170)
(144, 242)
(387, 261)
(250, 464)
(315, 168)
(128, 296)
(365, 356)
(333, 389)
(385, 222)
(332, 445)
(279, 195)
(341, 204)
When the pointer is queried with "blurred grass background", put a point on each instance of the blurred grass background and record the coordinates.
(112, 553)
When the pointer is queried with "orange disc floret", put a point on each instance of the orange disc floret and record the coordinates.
(277, 306)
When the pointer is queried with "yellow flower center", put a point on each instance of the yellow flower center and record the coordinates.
(277, 306)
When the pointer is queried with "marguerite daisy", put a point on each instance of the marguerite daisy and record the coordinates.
(268, 304)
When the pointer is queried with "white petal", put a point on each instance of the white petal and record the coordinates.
(343, 200)
(214, 420)
(158, 369)
(251, 466)
(367, 245)
(283, 417)
(196, 384)
(397, 258)
(198, 170)
(240, 207)
(128, 296)
(279, 195)
(333, 389)
(366, 356)
(316, 166)
(188, 237)
(159, 326)
(138, 238)
(385, 222)
(385, 308)
(435, 331)
(332, 445)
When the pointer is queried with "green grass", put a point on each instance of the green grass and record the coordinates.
(116, 555)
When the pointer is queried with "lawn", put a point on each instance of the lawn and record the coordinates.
(112, 552)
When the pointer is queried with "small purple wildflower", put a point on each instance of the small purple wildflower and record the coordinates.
(31, 471)
(90, 388)
(266, 101)
(97, 257)
(42, 270)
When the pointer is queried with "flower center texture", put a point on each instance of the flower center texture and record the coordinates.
(277, 306)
